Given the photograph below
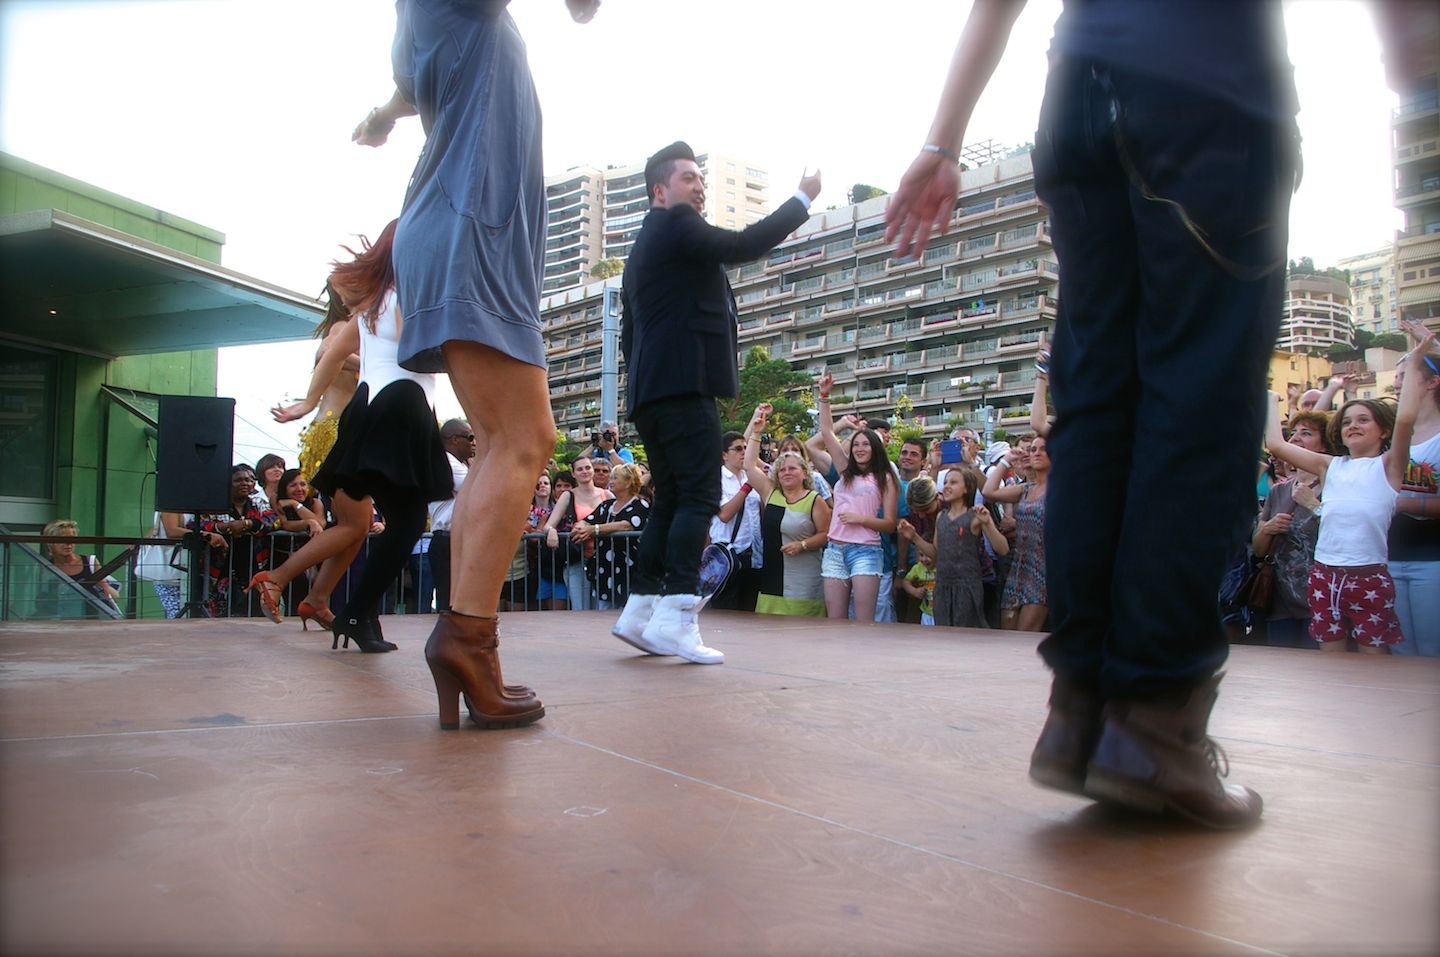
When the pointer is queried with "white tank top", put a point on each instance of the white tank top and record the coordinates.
(1355, 512)
(380, 350)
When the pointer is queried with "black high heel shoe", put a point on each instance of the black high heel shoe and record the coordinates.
(365, 632)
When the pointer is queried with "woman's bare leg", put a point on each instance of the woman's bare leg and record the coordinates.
(344, 538)
(837, 598)
(508, 402)
(867, 592)
(1032, 617)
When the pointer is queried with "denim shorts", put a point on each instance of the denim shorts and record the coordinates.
(844, 561)
(552, 591)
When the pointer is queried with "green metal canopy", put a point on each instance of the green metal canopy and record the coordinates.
(73, 284)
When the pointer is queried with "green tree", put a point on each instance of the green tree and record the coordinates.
(1305, 266)
(1396, 341)
(763, 379)
(606, 268)
(863, 191)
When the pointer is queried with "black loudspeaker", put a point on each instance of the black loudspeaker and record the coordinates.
(197, 439)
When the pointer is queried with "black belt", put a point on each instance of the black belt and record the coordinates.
(443, 533)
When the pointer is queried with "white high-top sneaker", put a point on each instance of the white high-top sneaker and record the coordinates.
(674, 630)
(630, 627)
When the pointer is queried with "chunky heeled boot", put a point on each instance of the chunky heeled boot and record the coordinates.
(464, 659)
(1068, 739)
(1156, 756)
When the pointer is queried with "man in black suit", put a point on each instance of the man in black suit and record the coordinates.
(679, 341)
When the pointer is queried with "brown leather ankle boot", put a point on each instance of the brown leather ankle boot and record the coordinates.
(1068, 739)
(1155, 756)
(464, 659)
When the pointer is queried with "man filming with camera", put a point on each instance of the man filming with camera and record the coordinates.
(605, 444)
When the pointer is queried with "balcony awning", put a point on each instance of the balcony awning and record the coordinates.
(76, 285)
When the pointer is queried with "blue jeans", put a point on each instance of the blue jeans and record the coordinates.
(1169, 215)
(1417, 603)
(682, 440)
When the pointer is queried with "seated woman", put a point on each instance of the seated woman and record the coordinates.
(268, 473)
(612, 559)
(239, 546)
(793, 523)
(300, 512)
(55, 599)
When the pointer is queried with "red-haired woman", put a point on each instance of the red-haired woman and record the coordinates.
(387, 452)
(470, 255)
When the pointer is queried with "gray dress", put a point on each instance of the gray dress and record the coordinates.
(959, 594)
(470, 245)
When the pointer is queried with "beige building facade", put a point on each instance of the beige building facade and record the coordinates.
(1317, 315)
(953, 331)
(1415, 130)
(595, 213)
(1372, 290)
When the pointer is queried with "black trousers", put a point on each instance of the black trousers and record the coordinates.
(682, 439)
(404, 512)
(439, 553)
(1169, 212)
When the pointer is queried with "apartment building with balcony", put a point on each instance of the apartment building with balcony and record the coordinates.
(1372, 290)
(954, 329)
(596, 214)
(1317, 315)
(1415, 132)
(574, 204)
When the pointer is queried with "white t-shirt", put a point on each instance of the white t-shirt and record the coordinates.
(749, 533)
(441, 511)
(1355, 511)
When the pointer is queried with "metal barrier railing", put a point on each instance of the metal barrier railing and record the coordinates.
(187, 577)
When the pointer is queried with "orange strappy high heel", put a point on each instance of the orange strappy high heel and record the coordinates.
(319, 614)
(269, 592)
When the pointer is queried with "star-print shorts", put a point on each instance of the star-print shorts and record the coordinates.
(1356, 602)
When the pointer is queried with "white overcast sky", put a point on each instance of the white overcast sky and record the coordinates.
(237, 114)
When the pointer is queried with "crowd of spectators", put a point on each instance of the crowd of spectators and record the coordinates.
(856, 522)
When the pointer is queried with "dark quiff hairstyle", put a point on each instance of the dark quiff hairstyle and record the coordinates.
(369, 275)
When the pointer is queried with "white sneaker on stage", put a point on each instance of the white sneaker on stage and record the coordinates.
(630, 627)
(673, 630)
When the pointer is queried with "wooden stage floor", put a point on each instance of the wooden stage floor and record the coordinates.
(238, 788)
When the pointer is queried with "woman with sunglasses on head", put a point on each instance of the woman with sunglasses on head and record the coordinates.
(793, 527)
(387, 455)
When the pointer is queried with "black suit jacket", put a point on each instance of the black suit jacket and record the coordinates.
(679, 330)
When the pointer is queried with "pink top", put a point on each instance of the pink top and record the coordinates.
(855, 495)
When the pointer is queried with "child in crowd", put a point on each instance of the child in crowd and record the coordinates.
(1351, 593)
(959, 553)
(919, 583)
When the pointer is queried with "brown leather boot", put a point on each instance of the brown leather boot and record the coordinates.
(464, 659)
(1155, 756)
(1068, 739)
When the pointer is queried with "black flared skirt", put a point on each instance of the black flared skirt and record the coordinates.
(389, 444)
